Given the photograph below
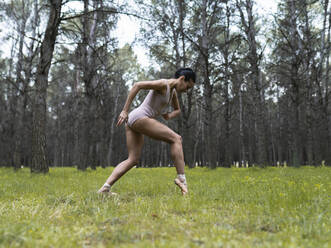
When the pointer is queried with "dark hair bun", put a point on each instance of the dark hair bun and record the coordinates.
(187, 72)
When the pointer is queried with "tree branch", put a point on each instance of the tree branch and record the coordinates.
(109, 11)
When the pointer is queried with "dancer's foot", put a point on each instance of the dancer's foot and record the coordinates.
(182, 186)
(105, 190)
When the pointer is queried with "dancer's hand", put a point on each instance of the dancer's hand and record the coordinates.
(122, 117)
(166, 116)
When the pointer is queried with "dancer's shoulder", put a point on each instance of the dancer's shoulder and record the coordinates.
(158, 85)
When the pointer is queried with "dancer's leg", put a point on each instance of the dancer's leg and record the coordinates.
(134, 142)
(159, 131)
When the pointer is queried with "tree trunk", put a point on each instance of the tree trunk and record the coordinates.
(112, 129)
(279, 129)
(17, 125)
(89, 73)
(327, 91)
(309, 92)
(241, 127)
(25, 146)
(227, 111)
(227, 119)
(76, 120)
(39, 162)
(197, 135)
(295, 89)
(207, 93)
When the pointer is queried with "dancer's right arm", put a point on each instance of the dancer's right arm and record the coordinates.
(155, 85)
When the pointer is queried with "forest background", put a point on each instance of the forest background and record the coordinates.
(262, 95)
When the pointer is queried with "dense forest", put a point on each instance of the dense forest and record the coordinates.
(262, 95)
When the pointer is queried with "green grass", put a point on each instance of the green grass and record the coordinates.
(273, 207)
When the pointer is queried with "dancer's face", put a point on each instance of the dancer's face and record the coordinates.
(189, 85)
(184, 85)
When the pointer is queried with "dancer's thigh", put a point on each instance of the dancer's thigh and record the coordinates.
(134, 142)
(155, 130)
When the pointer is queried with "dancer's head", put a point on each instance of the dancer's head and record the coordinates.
(187, 72)
(187, 75)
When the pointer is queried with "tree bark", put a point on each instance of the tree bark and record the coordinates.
(295, 88)
(39, 161)
(327, 86)
(16, 102)
(227, 111)
(241, 127)
(89, 72)
(112, 128)
(209, 152)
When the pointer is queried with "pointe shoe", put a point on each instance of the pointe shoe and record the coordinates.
(106, 191)
(182, 186)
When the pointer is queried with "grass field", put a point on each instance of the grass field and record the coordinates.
(273, 207)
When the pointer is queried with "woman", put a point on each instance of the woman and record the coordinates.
(141, 122)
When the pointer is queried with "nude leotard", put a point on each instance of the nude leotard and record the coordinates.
(153, 105)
